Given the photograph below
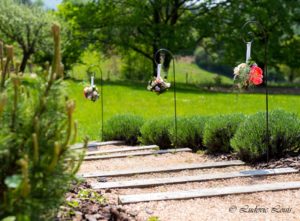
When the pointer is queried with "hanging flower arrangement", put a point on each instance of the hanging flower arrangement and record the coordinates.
(91, 92)
(157, 84)
(248, 74)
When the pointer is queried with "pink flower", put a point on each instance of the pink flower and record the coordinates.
(256, 75)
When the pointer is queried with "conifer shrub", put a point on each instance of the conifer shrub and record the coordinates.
(35, 134)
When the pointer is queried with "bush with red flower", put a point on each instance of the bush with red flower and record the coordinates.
(248, 74)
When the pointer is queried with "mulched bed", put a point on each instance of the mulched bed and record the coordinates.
(78, 208)
(222, 156)
(287, 161)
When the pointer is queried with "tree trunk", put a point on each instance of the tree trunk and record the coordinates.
(157, 36)
(25, 59)
(292, 75)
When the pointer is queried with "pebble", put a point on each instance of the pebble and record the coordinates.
(108, 191)
(102, 179)
(90, 217)
(134, 213)
(78, 216)
(148, 210)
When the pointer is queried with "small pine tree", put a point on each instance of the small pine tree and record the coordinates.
(36, 129)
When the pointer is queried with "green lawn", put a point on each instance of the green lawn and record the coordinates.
(196, 75)
(130, 97)
(111, 67)
(126, 97)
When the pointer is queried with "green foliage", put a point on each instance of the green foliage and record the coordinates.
(153, 218)
(80, 201)
(189, 132)
(91, 195)
(157, 131)
(250, 140)
(136, 67)
(123, 127)
(28, 26)
(149, 25)
(219, 130)
(132, 97)
(73, 204)
(36, 127)
(179, 26)
(226, 37)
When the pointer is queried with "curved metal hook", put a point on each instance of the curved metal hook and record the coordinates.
(250, 33)
(102, 102)
(265, 77)
(163, 49)
(174, 87)
(97, 66)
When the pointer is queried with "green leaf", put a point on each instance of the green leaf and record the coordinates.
(13, 181)
(9, 218)
(73, 203)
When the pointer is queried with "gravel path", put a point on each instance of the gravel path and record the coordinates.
(281, 205)
(142, 162)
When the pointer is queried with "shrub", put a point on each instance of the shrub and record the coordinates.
(189, 132)
(36, 164)
(124, 127)
(219, 130)
(284, 135)
(134, 67)
(156, 131)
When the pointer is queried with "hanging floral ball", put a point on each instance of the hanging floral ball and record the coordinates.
(91, 93)
(158, 85)
(248, 74)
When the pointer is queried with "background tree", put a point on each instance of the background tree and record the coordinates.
(140, 26)
(26, 25)
(136, 29)
(278, 18)
(28, 2)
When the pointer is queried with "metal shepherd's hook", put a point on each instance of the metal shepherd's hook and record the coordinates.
(174, 88)
(101, 94)
(248, 42)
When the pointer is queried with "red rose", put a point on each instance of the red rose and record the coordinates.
(256, 75)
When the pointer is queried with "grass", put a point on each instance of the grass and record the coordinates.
(126, 97)
(132, 97)
(196, 75)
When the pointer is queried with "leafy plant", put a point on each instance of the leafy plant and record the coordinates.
(250, 140)
(73, 204)
(123, 127)
(157, 131)
(91, 195)
(189, 132)
(219, 130)
(153, 218)
(36, 129)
